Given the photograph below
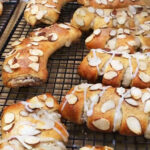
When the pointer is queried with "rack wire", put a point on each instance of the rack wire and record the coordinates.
(62, 68)
(8, 9)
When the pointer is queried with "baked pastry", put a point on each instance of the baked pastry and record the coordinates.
(26, 64)
(108, 109)
(34, 124)
(121, 40)
(45, 11)
(116, 69)
(109, 4)
(1, 8)
(96, 148)
(86, 18)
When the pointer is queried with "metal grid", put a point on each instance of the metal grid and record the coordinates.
(62, 67)
(8, 9)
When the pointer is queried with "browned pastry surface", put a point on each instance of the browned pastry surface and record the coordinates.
(96, 148)
(26, 65)
(86, 18)
(120, 40)
(109, 4)
(34, 124)
(45, 11)
(1, 8)
(116, 68)
(109, 109)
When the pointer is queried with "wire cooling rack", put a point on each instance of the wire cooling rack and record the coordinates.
(62, 67)
(8, 9)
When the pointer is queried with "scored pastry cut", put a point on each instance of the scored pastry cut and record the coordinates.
(43, 11)
(121, 40)
(109, 4)
(33, 124)
(1, 8)
(96, 148)
(26, 64)
(116, 68)
(86, 18)
(108, 109)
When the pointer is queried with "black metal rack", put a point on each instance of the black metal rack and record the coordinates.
(8, 9)
(62, 67)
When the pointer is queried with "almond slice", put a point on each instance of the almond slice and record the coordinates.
(42, 97)
(9, 118)
(145, 96)
(15, 66)
(53, 37)
(97, 86)
(8, 127)
(64, 26)
(36, 52)
(24, 113)
(97, 31)
(134, 125)
(144, 77)
(120, 91)
(72, 99)
(49, 102)
(142, 65)
(94, 61)
(34, 66)
(90, 38)
(7, 69)
(117, 65)
(107, 106)
(33, 58)
(110, 75)
(102, 124)
(132, 102)
(136, 93)
(147, 106)
(113, 32)
(31, 140)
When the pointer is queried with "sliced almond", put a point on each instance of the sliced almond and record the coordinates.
(28, 130)
(100, 12)
(7, 69)
(136, 93)
(97, 31)
(97, 86)
(41, 14)
(39, 38)
(132, 102)
(53, 37)
(8, 127)
(134, 125)
(9, 118)
(107, 106)
(15, 66)
(35, 103)
(89, 39)
(49, 102)
(94, 61)
(36, 52)
(120, 91)
(42, 97)
(33, 58)
(145, 96)
(147, 106)
(142, 65)
(122, 18)
(117, 65)
(144, 77)
(79, 21)
(34, 66)
(111, 44)
(102, 124)
(91, 9)
(34, 9)
(113, 32)
(24, 113)
(71, 98)
(121, 36)
(64, 26)
(31, 140)
(110, 75)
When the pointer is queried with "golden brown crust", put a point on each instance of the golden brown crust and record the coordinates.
(86, 18)
(47, 12)
(32, 119)
(114, 4)
(109, 109)
(120, 40)
(89, 147)
(115, 68)
(1, 8)
(31, 55)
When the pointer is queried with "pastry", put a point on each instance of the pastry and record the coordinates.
(33, 124)
(121, 40)
(108, 109)
(109, 4)
(26, 64)
(1, 8)
(116, 68)
(86, 18)
(43, 11)
(96, 148)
